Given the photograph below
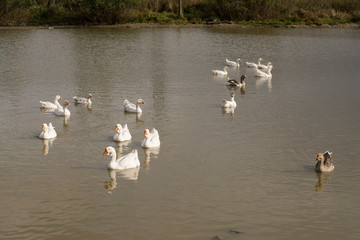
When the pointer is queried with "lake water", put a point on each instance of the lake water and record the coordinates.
(246, 175)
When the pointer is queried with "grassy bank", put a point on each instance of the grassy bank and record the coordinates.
(243, 12)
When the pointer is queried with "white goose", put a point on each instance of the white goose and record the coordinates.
(49, 105)
(48, 131)
(229, 104)
(221, 73)
(130, 107)
(151, 140)
(266, 74)
(263, 67)
(130, 160)
(254, 65)
(81, 100)
(122, 133)
(324, 162)
(63, 111)
(235, 83)
(233, 63)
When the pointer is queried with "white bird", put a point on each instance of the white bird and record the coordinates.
(324, 162)
(229, 104)
(151, 140)
(49, 105)
(266, 74)
(254, 65)
(122, 133)
(233, 63)
(263, 67)
(81, 100)
(221, 73)
(235, 83)
(130, 160)
(130, 107)
(63, 111)
(47, 131)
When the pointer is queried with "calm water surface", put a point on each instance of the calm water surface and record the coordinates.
(246, 175)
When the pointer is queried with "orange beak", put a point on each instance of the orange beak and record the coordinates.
(60, 98)
(43, 127)
(67, 102)
(143, 102)
(105, 152)
(145, 133)
(116, 127)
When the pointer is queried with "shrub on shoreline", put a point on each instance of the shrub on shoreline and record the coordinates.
(108, 12)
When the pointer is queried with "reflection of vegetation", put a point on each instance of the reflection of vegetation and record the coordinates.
(37, 12)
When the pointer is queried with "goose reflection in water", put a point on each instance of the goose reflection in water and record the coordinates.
(131, 174)
(262, 81)
(47, 110)
(47, 144)
(232, 88)
(230, 111)
(122, 146)
(148, 152)
(128, 115)
(66, 120)
(321, 177)
(241, 89)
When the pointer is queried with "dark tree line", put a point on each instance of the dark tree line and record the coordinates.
(89, 12)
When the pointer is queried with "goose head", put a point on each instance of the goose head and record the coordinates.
(90, 96)
(66, 104)
(140, 101)
(320, 157)
(44, 126)
(242, 79)
(109, 151)
(239, 60)
(146, 133)
(118, 127)
(58, 97)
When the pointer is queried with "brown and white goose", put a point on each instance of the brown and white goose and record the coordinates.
(324, 162)
(235, 83)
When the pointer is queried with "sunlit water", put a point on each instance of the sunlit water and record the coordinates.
(246, 175)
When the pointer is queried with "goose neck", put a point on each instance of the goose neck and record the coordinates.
(113, 155)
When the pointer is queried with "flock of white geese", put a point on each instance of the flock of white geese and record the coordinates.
(323, 160)
(122, 133)
(151, 138)
(261, 71)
